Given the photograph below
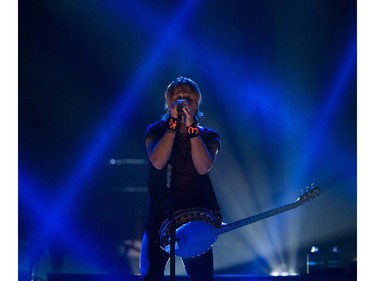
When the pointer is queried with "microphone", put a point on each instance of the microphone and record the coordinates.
(180, 105)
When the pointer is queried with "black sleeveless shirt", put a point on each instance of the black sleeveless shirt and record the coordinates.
(192, 190)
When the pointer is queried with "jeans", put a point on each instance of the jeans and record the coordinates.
(153, 260)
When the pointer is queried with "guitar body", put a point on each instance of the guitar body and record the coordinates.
(198, 229)
(194, 238)
(196, 232)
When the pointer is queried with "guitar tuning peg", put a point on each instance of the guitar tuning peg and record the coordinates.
(310, 187)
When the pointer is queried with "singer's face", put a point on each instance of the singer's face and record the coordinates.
(184, 94)
(188, 97)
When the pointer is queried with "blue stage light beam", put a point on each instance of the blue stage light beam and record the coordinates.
(34, 202)
(336, 95)
(128, 101)
(255, 100)
(265, 105)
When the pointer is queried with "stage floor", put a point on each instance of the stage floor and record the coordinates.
(104, 277)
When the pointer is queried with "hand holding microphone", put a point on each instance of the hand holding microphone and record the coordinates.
(183, 109)
(180, 107)
(179, 104)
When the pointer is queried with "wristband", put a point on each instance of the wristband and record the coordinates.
(172, 124)
(192, 131)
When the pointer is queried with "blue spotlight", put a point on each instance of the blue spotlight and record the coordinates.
(128, 101)
(39, 207)
(266, 106)
(335, 95)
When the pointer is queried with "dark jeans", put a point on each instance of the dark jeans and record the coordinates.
(154, 259)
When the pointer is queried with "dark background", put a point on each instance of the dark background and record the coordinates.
(278, 80)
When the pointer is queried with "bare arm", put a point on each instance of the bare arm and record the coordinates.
(159, 152)
(203, 157)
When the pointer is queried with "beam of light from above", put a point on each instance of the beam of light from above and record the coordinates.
(246, 170)
(335, 96)
(128, 101)
(246, 173)
(243, 85)
(34, 202)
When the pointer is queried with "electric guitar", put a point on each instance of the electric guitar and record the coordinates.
(198, 229)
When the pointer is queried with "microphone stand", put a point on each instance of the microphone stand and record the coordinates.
(172, 223)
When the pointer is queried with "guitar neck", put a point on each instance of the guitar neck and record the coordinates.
(246, 221)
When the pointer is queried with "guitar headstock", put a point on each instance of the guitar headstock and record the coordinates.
(308, 193)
